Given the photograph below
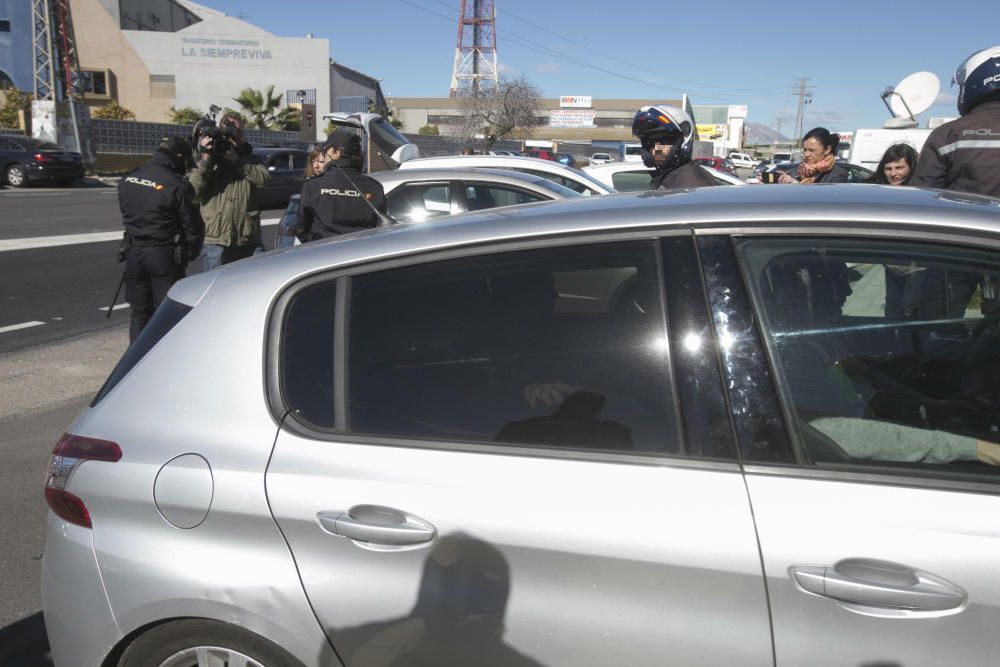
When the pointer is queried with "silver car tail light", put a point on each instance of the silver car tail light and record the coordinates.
(69, 453)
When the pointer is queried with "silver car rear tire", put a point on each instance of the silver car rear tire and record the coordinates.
(16, 176)
(199, 643)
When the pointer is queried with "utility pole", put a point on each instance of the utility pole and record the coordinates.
(804, 93)
(778, 121)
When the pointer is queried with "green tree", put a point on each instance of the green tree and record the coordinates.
(263, 110)
(433, 130)
(184, 115)
(16, 100)
(113, 111)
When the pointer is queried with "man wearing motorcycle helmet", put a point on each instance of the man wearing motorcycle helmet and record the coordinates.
(964, 155)
(667, 137)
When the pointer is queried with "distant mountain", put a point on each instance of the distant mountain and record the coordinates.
(758, 134)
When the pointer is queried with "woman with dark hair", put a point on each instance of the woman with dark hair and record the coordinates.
(819, 159)
(896, 166)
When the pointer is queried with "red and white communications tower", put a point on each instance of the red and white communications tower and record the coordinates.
(476, 52)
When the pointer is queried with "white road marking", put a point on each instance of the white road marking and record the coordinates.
(36, 194)
(74, 239)
(118, 307)
(23, 325)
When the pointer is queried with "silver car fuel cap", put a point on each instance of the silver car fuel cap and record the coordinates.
(183, 490)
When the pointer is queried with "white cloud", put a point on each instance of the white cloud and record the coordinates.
(547, 68)
(505, 69)
(946, 98)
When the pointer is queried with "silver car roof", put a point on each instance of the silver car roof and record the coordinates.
(392, 179)
(841, 206)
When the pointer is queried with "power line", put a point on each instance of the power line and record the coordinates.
(526, 43)
(702, 87)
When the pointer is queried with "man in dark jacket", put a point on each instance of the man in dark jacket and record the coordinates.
(964, 155)
(162, 229)
(667, 136)
(342, 200)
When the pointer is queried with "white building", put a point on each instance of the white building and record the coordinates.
(153, 54)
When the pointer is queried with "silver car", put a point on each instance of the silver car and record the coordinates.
(752, 426)
(564, 175)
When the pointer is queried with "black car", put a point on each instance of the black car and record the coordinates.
(287, 167)
(24, 160)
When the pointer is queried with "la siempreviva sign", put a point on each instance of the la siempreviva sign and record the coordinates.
(225, 48)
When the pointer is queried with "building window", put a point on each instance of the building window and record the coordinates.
(94, 84)
(4, 25)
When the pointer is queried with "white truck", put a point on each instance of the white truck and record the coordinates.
(869, 145)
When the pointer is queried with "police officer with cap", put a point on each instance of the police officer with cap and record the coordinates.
(964, 155)
(162, 229)
(667, 136)
(343, 199)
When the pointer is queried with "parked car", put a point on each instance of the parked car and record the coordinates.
(287, 168)
(744, 160)
(855, 173)
(565, 158)
(633, 177)
(600, 158)
(539, 154)
(24, 161)
(718, 163)
(574, 179)
(656, 428)
(421, 195)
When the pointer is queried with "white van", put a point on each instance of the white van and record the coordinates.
(869, 145)
(743, 160)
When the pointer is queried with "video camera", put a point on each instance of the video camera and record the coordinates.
(224, 135)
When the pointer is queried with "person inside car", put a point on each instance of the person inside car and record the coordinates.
(667, 137)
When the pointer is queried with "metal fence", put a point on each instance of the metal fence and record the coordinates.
(130, 137)
(11, 132)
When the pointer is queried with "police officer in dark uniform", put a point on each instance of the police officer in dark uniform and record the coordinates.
(343, 199)
(667, 136)
(964, 155)
(162, 229)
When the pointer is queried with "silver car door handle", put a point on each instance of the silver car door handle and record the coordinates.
(876, 583)
(377, 524)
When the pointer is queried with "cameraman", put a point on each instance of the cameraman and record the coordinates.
(162, 229)
(225, 182)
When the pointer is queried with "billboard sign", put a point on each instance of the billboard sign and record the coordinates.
(571, 118)
(711, 132)
(577, 101)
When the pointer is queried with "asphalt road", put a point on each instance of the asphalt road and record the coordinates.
(42, 389)
(58, 268)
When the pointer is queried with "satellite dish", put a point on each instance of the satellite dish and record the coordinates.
(913, 95)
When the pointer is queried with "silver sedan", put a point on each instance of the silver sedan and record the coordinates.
(753, 426)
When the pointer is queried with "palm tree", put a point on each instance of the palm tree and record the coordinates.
(263, 109)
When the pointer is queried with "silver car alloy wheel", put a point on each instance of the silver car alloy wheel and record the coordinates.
(209, 656)
(15, 176)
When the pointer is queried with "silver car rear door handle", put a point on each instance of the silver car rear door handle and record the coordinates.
(875, 583)
(378, 525)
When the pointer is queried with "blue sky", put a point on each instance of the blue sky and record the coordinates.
(723, 52)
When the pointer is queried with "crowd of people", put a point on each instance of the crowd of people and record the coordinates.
(174, 213)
